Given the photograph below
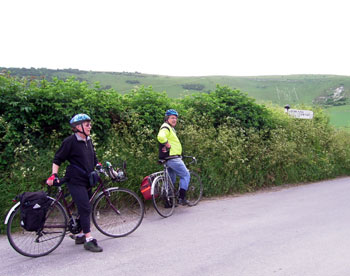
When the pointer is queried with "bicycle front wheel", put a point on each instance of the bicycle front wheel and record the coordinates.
(195, 189)
(117, 212)
(163, 196)
(42, 242)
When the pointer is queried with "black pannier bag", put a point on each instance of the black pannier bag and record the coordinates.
(33, 207)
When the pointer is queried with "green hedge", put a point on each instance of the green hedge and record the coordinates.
(241, 146)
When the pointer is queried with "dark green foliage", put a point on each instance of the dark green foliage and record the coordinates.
(38, 108)
(144, 107)
(226, 105)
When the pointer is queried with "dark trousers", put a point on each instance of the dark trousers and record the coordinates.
(81, 195)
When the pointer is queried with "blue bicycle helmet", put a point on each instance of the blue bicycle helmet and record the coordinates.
(171, 112)
(78, 119)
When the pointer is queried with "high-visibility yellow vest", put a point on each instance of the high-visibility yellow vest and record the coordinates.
(168, 134)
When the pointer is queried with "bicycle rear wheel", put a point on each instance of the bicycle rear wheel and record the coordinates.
(118, 212)
(163, 196)
(40, 243)
(195, 189)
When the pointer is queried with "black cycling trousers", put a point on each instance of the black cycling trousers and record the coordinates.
(81, 195)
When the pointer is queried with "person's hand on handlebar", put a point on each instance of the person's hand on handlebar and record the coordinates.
(53, 179)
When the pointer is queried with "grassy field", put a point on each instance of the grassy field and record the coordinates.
(295, 90)
(340, 116)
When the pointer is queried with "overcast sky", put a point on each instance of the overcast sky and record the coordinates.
(179, 37)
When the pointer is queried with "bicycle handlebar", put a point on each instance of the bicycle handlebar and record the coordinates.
(60, 182)
(194, 160)
(118, 175)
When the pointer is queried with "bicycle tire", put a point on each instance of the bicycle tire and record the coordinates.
(37, 244)
(195, 189)
(124, 221)
(163, 200)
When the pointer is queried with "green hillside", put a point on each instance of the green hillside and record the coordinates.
(328, 91)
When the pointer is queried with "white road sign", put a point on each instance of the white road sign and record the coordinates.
(301, 114)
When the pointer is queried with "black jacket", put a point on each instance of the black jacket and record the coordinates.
(80, 153)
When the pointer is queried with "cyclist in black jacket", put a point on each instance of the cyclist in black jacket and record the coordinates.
(79, 151)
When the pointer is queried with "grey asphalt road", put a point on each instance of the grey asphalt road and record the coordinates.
(301, 230)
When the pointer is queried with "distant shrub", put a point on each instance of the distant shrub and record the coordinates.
(132, 81)
(193, 86)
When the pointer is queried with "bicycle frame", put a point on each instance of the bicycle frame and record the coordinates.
(165, 193)
(166, 175)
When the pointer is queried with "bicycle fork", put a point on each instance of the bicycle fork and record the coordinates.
(107, 195)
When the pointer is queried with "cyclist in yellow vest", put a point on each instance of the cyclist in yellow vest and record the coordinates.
(170, 149)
